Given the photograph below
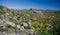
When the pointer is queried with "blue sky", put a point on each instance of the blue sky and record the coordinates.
(36, 4)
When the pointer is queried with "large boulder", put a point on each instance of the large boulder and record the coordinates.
(10, 23)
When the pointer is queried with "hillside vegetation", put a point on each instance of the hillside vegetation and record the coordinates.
(40, 22)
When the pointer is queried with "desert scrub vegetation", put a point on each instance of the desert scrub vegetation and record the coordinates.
(38, 22)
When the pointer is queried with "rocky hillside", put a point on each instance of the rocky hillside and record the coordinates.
(39, 22)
